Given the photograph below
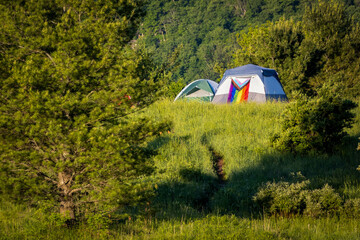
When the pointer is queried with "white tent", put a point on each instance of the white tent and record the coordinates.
(249, 83)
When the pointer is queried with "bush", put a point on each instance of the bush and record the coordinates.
(290, 199)
(315, 124)
(352, 208)
(322, 202)
(282, 198)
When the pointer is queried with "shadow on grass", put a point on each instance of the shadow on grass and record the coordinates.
(198, 194)
(188, 197)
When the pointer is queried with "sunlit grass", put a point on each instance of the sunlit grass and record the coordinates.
(241, 134)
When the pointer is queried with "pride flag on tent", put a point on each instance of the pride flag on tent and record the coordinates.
(238, 91)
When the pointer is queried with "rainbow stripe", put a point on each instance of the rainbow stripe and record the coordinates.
(239, 92)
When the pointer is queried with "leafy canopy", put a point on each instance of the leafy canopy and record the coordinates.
(205, 30)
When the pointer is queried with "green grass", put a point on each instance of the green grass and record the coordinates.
(190, 201)
(239, 133)
(29, 224)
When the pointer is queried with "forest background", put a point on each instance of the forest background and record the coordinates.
(209, 37)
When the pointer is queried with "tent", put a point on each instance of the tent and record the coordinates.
(249, 83)
(202, 90)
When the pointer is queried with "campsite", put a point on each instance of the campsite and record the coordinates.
(180, 119)
(244, 83)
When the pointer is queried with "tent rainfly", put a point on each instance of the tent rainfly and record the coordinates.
(201, 90)
(249, 83)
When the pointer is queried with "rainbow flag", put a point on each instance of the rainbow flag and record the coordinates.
(238, 91)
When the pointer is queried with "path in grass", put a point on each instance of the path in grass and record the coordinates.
(218, 163)
(216, 158)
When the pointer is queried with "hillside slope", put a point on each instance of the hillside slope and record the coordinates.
(186, 176)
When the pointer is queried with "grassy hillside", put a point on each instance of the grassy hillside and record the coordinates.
(240, 135)
(192, 202)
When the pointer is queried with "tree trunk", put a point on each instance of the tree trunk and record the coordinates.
(67, 206)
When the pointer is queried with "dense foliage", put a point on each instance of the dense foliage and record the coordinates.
(204, 32)
(315, 124)
(69, 85)
(290, 199)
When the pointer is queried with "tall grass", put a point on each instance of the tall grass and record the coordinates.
(232, 227)
(25, 223)
(240, 134)
(191, 202)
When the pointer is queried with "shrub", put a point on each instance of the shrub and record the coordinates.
(322, 202)
(315, 124)
(352, 208)
(289, 199)
(282, 198)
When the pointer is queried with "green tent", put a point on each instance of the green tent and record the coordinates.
(201, 90)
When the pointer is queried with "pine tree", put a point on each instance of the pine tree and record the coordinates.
(70, 83)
